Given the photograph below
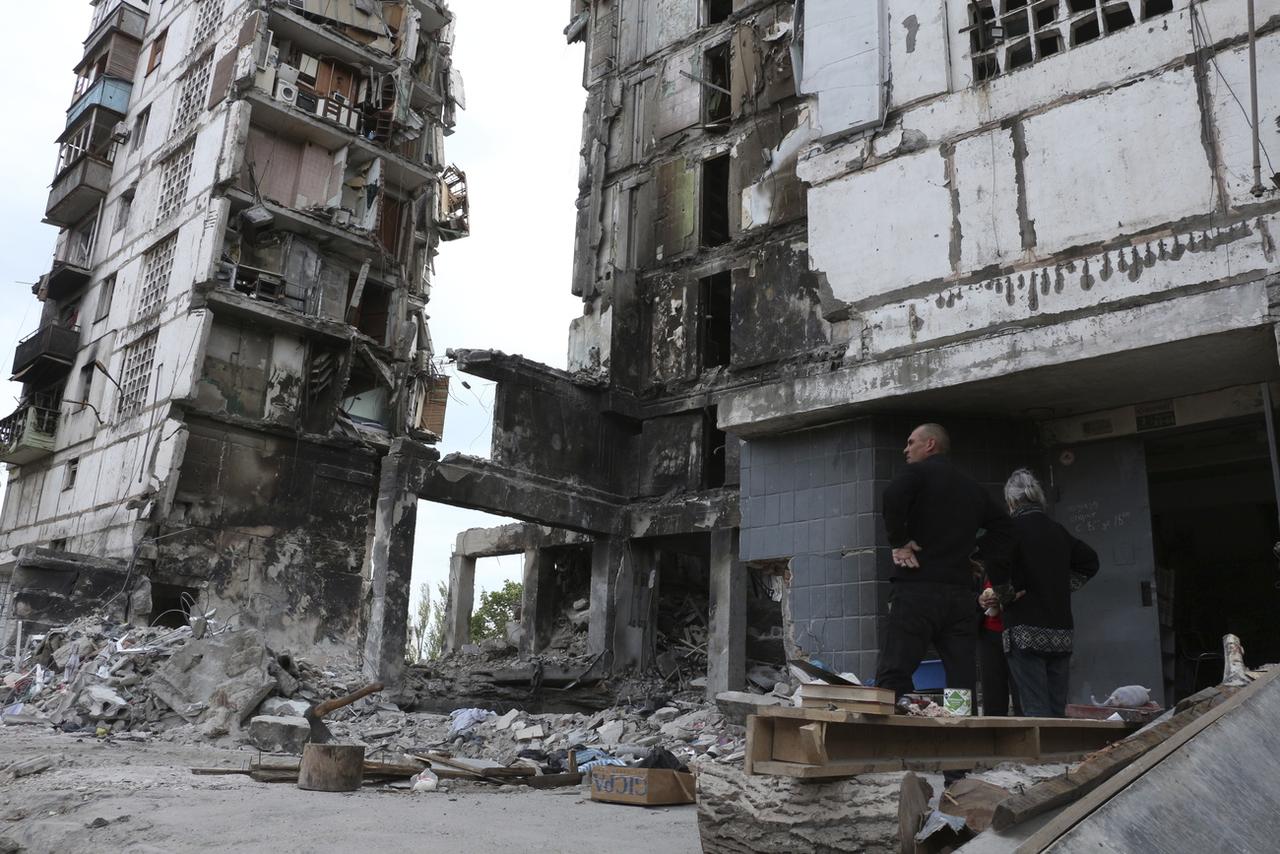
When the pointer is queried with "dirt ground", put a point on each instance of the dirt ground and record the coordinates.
(131, 797)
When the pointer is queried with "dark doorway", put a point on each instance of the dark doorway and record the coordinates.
(718, 11)
(1213, 515)
(713, 459)
(171, 604)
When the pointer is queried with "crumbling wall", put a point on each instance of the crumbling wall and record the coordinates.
(274, 528)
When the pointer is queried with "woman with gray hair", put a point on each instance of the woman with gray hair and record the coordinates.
(1049, 565)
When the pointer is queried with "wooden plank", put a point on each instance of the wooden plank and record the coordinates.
(913, 807)
(1094, 771)
(551, 781)
(759, 741)
(847, 693)
(1078, 811)
(813, 742)
(480, 767)
(878, 709)
(970, 722)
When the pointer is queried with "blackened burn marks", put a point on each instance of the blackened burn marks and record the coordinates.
(1026, 225)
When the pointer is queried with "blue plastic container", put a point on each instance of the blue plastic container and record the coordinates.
(929, 676)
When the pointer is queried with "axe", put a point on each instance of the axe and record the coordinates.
(315, 714)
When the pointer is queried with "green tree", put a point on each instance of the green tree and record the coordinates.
(419, 626)
(434, 645)
(497, 607)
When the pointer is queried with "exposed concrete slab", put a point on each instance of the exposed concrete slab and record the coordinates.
(462, 592)
(485, 485)
(1080, 364)
(513, 539)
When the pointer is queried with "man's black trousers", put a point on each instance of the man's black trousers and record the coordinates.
(921, 613)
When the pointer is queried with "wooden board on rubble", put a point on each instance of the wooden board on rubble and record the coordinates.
(825, 744)
(480, 767)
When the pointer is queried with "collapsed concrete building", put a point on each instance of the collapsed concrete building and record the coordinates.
(802, 227)
(805, 226)
(250, 195)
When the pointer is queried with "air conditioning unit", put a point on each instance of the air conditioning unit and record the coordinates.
(120, 132)
(286, 92)
(287, 73)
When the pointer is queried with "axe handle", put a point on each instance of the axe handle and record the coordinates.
(322, 709)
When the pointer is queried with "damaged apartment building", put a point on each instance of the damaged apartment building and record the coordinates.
(804, 227)
(233, 331)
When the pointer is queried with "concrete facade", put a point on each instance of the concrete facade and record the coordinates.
(250, 193)
(803, 227)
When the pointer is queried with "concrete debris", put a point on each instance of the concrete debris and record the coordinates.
(279, 733)
(216, 681)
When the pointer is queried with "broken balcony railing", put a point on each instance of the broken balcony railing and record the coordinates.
(28, 434)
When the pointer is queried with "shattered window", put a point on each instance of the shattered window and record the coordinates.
(157, 267)
(1005, 35)
(135, 378)
(208, 16)
(175, 174)
(192, 89)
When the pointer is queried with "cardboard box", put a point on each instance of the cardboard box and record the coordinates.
(644, 786)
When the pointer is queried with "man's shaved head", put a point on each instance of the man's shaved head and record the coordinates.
(926, 441)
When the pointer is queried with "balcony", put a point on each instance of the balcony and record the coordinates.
(115, 16)
(46, 354)
(77, 191)
(28, 434)
(110, 93)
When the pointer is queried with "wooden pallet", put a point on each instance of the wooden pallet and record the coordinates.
(831, 743)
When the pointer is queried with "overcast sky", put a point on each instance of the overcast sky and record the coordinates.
(505, 287)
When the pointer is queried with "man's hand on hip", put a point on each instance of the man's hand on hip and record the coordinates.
(906, 556)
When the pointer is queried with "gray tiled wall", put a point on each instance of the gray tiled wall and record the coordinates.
(815, 496)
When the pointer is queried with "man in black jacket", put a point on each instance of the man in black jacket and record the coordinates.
(933, 514)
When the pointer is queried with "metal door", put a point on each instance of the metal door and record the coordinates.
(1101, 498)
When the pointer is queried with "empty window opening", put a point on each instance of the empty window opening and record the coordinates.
(58, 545)
(1046, 13)
(1005, 35)
(157, 52)
(367, 401)
(718, 11)
(1084, 31)
(106, 293)
(1020, 54)
(715, 300)
(1118, 16)
(1049, 44)
(715, 201)
(69, 473)
(717, 103)
(140, 129)
(371, 310)
(123, 211)
(713, 455)
(172, 604)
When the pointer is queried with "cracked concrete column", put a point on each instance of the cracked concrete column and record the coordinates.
(462, 594)
(537, 603)
(635, 608)
(608, 557)
(727, 640)
(391, 560)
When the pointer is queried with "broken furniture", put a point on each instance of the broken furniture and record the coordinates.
(824, 744)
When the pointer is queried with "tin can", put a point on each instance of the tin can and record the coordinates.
(958, 701)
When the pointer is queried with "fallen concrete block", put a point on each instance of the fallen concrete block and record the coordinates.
(217, 681)
(529, 733)
(281, 706)
(279, 733)
(506, 720)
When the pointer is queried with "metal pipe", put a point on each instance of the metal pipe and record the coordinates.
(1271, 443)
(1257, 189)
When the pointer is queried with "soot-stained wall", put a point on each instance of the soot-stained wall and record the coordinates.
(275, 529)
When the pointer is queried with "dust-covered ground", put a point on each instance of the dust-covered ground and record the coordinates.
(119, 796)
